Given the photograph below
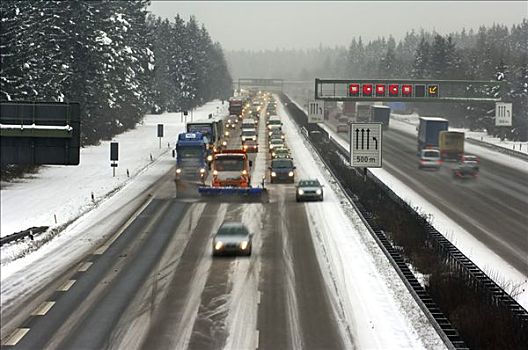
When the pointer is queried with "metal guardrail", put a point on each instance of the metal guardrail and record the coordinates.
(510, 152)
(439, 321)
(30, 232)
(445, 329)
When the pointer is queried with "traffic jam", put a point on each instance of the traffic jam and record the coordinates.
(220, 154)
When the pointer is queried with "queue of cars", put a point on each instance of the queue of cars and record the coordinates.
(235, 237)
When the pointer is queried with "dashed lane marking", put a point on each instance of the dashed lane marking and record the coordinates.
(258, 297)
(104, 247)
(85, 266)
(43, 308)
(66, 286)
(15, 337)
(257, 333)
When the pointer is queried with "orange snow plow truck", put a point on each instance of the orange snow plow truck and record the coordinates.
(231, 175)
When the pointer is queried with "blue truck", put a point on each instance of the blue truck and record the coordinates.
(191, 156)
(429, 131)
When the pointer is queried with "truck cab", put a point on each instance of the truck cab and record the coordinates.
(191, 156)
(231, 168)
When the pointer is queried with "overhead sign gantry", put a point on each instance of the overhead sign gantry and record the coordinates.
(408, 90)
(261, 82)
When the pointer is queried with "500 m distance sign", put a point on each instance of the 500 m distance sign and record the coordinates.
(365, 145)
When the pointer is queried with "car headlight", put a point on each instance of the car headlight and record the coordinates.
(300, 191)
(215, 172)
(178, 171)
(224, 143)
(318, 191)
(290, 174)
(202, 171)
(227, 133)
(219, 245)
(273, 154)
(244, 245)
(210, 158)
(271, 146)
(245, 147)
(244, 172)
(273, 174)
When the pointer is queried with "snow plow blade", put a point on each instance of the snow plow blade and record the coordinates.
(237, 193)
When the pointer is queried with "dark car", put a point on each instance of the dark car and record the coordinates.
(466, 169)
(309, 190)
(232, 237)
(282, 170)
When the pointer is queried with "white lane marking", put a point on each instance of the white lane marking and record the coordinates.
(85, 266)
(257, 333)
(66, 286)
(43, 308)
(15, 337)
(258, 297)
(105, 246)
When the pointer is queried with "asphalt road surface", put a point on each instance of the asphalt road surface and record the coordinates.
(492, 207)
(155, 285)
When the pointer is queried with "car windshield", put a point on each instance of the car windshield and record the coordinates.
(309, 183)
(276, 141)
(248, 133)
(229, 163)
(190, 152)
(275, 122)
(282, 163)
(233, 230)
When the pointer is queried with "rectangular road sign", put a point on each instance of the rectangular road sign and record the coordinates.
(365, 145)
(316, 112)
(503, 114)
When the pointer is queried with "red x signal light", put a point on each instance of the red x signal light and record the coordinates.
(380, 90)
(407, 90)
(353, 89)
(394, 90)
(367, 89)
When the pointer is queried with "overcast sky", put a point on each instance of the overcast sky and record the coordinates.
(258, 25)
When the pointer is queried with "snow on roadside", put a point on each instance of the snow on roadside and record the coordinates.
(481, 255)
(56, 195)
(361, 282)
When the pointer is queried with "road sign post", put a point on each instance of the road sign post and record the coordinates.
(114, 156)
(316, 112)
(503, 114)
(365, 145)
(160, 133)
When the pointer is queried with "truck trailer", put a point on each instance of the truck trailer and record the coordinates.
(380, 114)
(429, 132)
(451, 145)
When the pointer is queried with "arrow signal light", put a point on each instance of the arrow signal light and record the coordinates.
(432, 90)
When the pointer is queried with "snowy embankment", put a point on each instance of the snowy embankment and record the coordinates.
(511, 279)
(58, 195)
(373, 306)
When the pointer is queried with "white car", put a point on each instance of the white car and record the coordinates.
(248, 134)
(232, 237)
(430, 159)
